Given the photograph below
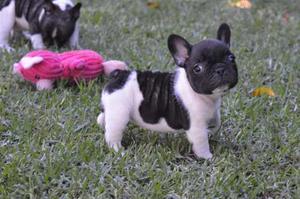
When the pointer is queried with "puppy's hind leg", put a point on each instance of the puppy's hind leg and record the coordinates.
(7, 21)
(115, 119)
(115, 123)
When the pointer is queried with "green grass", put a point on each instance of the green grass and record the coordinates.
(51, 146)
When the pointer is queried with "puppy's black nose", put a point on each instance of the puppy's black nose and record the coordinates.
(220, 71)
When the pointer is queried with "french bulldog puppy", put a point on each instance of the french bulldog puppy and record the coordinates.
(42, 21)
(188, 99)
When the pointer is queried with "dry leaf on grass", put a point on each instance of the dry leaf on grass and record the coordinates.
(263, 90)
(285, 17)
(245, 4)
(153, 5)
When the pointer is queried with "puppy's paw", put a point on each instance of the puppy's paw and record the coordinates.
(44, 84)
(100, 119)
(118, 154)
(38, 46)
(6, 47)
(37, 41)
(206, 156)
(75, 46)
(202, 153)
(116, 146)
(113, 140)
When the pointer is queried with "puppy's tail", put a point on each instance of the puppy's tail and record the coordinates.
(112, 65)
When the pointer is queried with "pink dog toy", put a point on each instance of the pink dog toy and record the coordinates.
(43, 67)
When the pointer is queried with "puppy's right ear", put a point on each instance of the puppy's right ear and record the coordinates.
(179, 48)
(49, 7)
(75, 11)
(224, 33)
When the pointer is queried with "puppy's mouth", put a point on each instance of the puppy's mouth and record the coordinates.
(221, 90)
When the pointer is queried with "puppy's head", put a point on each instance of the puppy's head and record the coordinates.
(57, 25)
(210, 65)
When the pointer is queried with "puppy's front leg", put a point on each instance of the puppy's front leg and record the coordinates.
(37, 41)
(74, 39)
(199, 139)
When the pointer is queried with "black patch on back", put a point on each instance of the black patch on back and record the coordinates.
(4, 3)
(30, 9)
(117, 80)
(160, 100)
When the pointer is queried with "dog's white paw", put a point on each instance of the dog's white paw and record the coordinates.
(37, 41)
(202, 153)
(116, 146)
(100, 119)
(38, 46)
(6, 47)
(44, 84)
(206, 156)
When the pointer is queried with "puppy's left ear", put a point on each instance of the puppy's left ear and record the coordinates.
(49, 7)
(224, 33)
(75, 11)
(179, 48)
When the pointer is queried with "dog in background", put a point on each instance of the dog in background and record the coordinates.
(188, 99)
(43, 22)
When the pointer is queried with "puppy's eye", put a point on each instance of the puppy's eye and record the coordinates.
(231, 58)
(198, 68)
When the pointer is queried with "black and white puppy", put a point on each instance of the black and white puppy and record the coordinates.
(42, 21)
(187, 99)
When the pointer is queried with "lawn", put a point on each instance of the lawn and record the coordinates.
(51, 146)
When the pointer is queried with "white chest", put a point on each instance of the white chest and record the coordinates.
(201, 108)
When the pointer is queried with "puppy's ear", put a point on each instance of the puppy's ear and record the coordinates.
(224, 33)
(179, 48)
(49, 7)
(75, 11)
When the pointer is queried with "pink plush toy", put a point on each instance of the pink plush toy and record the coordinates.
(42, 67)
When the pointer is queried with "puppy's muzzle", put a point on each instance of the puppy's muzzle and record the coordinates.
(220, 71)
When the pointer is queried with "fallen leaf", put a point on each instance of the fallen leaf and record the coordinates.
(263, 90)
(153, 5)
(285, 17)
(245, 4)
